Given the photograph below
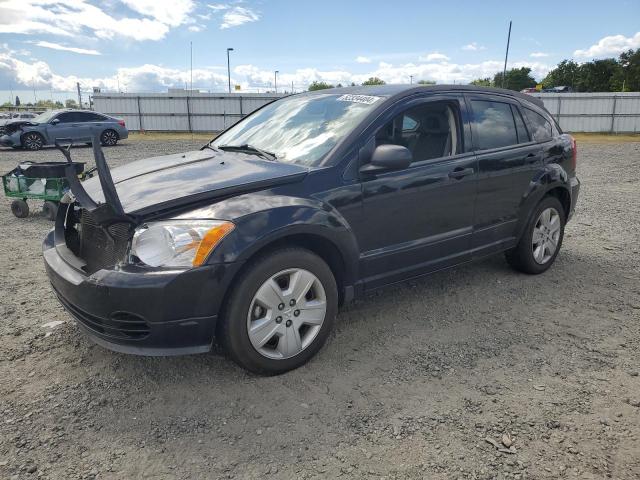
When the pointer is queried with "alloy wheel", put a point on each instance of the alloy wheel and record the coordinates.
(32, 141)
(286, 313)
(109, 138)
(546, 235)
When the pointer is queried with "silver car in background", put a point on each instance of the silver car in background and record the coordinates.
(54, 124)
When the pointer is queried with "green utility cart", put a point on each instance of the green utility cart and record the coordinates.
(39, 181)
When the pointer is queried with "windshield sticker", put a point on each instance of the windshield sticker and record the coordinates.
(366, 99)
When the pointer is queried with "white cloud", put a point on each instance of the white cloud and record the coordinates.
(195, 28)
(611, 45)
(473, 47)
(236, 16)
(57, 46)
(538, 55)
(433, 57)
(169, 12)
(361, 59)
(79, 18)
(15, 73)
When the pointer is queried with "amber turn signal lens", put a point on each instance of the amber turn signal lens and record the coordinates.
(210, 240)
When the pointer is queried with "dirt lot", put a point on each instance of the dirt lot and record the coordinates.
(411, 384)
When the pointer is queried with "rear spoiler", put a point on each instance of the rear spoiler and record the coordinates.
(111, 210)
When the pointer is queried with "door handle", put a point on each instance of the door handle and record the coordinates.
(532, 158)
(460, 172)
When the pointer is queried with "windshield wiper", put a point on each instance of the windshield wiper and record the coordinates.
(249, 149)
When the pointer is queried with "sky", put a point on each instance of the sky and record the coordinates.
(46, 46)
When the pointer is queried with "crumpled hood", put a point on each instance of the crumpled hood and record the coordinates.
(13, 125)
(157, 183)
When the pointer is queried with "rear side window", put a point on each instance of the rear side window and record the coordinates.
(523, 135)
(494, 125)
(540, 126)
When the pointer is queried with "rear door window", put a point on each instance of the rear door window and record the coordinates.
(540, 126)
(493, 124)
(92, 117)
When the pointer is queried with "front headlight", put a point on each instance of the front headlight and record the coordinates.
(178, 243)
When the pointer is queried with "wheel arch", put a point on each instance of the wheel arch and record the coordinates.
(319, 244)
(28, 132)
(552, 181)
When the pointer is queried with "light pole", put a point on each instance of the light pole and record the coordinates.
(229, 68)
(411, 79)
(275, 80)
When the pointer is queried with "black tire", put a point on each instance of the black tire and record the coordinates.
(32, 141)
(109, 138)
(232, 332)
(50, 210)
(20, 208)
(522, 256)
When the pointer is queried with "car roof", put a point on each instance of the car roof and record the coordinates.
(403, 90)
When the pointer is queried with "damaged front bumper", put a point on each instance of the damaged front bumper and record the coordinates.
(139, 310)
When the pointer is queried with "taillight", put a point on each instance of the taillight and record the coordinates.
(574, 154)
(121, 123)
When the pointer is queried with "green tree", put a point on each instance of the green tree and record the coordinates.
(482, 82)
(319, 86)
(515, 79)
(374, 81)
(597, 76)
(426, 82)
(627, 79)
(17, 101)
(70, 103)
(567, 72)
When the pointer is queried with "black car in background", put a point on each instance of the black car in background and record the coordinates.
(254, 240)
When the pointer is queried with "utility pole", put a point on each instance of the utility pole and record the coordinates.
(292, 86)
(191, 78)
(504, 70)
(275, 80)
(229, 68)
(79, 95)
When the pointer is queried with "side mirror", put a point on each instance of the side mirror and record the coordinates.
(55, 121)
(388, 157)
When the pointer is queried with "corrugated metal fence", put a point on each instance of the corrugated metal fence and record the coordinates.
(195, 112)
(594, 112)
(210, 112)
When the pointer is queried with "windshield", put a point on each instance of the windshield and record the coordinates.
(300, 129)
(45, 117)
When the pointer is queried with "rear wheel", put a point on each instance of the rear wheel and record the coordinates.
(50, 210)
(280, 312)
(20, 208)
(32, 141)
(541, 241)
(109, 138)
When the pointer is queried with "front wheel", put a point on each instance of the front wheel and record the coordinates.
(32, 141)
(20, 208)
(280, 311)
(541, 241)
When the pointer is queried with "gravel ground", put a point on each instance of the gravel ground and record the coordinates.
(422, 380)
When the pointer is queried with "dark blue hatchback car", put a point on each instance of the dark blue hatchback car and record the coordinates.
(254, 240)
